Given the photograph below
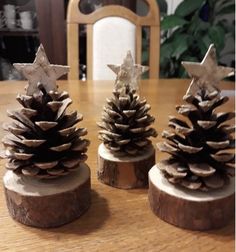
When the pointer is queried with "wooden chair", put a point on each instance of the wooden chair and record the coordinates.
(75, 17)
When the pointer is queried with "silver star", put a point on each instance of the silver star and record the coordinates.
(41, 71)
(207, 74)
(127, 73)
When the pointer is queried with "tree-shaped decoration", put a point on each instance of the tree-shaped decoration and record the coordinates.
(201, 157)
(45, 151)
(126, 154)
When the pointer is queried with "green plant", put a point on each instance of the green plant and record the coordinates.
(188, 32)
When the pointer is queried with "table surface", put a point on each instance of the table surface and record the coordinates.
(118, 220)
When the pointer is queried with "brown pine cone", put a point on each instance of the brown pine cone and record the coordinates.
(43, 140)
(125, 126)
(201, 150)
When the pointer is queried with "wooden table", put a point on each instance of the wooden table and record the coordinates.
(118, 220)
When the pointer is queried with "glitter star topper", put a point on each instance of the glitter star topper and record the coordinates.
(128, 73)
(41, 71)
(207, 74)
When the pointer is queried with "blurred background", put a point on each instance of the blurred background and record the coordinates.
(188, 27)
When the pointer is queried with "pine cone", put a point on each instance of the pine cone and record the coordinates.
(125, 123)
(43, 140)
(200, 150)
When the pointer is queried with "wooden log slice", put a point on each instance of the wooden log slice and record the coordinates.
(48, 203)
(188, 209)
(124, 172)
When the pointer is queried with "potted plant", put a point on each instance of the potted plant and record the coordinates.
(191, 29)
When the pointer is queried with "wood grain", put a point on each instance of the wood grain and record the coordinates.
(125, 172)
(194, 210)
(118, 220)
(44, 203)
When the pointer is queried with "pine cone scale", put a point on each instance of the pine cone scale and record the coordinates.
(110, 134)
(67, 131)
(80, 145)
(123, 142)
(223, 157)
(143, 143)
(12, 166)
(14, 130)
(227, 129)
(215, 181)
(67, 102)
(137, 130)
(45, 126)
(8, 142)
(28, 112)
(218, 145)
(171, 169)
(191, 185)
(165, 147)
(61, 147)
(189, 149)
(54, 105)
(222, 117)
(201, 170)
(30, 171)
(32, 143)
(142, 119)
(24, 100)
(186, 109)
(46, 165)
(57, 171)
(70, 120)
(71, 163)
(129, 113)
(21, 118)
(122, 127)
(22, 156)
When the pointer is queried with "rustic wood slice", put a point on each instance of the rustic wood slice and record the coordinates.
(188, 209)
(124, 172)
(48, 203)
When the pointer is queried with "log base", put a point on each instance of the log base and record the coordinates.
(48, 203)
(124, 172)
(188, 209)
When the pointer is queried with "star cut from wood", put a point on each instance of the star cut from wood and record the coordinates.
(128, 73)
(41, 71)
(207, 74)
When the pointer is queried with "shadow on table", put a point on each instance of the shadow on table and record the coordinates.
(227, 231)
(91, 220)
(141, 191)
